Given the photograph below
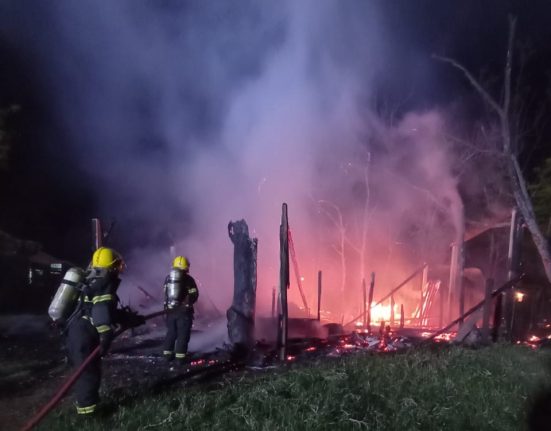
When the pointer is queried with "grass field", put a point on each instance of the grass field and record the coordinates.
(448, 388)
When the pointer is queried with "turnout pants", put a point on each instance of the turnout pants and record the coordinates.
(178, 325)
(82, 339)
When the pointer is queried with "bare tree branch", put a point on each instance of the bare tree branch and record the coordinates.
(474, 82)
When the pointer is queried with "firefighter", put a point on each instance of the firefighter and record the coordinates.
(93, 321)
(180, 294)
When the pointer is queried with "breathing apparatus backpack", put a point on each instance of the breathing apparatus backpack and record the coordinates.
(66, 298)
(174, 291)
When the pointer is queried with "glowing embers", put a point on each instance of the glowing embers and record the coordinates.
(360, 341)
(534, 341)
(446, 336)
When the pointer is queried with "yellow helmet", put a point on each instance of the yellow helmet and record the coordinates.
(181, 262)
(107, 258)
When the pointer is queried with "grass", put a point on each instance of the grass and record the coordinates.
(444, 389)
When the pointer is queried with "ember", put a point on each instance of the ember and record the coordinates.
(446, 336)
(519, 296)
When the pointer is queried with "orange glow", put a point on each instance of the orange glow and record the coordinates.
(519, 296)
(382, 312)
(310, 349)
(290, 358)
(446, 336)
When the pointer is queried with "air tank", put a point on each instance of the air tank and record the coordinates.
(174, 288)
(66, 297)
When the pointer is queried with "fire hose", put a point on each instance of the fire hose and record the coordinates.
(73, 378)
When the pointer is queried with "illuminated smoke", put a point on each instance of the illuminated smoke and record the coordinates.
(188, 115)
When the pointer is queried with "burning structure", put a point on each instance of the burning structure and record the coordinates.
(297, 118)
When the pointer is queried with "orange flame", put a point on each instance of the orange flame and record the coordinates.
(382, 312)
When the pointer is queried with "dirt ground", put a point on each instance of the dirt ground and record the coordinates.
(33, 365)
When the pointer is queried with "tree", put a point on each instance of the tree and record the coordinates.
(363, 222)
(540, 191)
(334, 213)
(510, 140)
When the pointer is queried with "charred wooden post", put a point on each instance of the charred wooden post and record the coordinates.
(487, 311)
(497, 317)
(402, 317)
(370, 302)
(97, 233)
(513, 259)
(441, 308)
(283, 282)
(319, 295)
(459, 278)
(392, 310)
(242, 311)
(424, 279)
(452, 281)
(273, 302)
(364, 304)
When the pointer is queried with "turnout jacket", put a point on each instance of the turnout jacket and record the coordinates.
(100, 300)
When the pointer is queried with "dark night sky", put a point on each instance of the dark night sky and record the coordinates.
(47, 197)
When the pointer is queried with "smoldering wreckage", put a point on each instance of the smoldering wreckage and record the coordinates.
(225, 343)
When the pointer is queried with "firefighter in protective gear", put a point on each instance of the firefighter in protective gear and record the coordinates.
(180, 294)
(93, 323)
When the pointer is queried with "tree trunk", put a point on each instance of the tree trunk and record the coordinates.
(524, 204)
(241, 313)
(283, 283)
(518, 184)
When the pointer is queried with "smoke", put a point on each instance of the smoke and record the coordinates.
(187, 115)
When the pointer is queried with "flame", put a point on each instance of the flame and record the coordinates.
(519, 296)
(382, 312)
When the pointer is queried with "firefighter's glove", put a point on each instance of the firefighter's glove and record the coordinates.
(105, 340)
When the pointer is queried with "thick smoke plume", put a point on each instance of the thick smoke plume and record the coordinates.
(187, 115)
